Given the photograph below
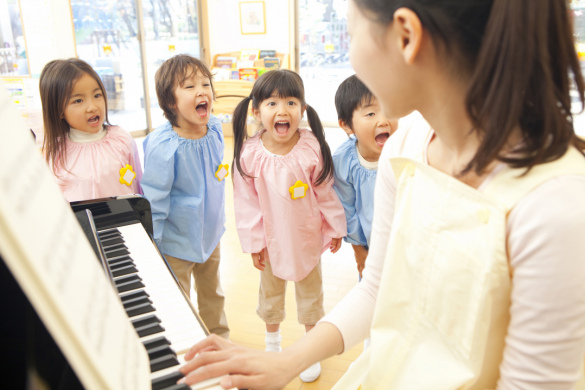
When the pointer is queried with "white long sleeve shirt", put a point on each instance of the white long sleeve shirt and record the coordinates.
(545, 344)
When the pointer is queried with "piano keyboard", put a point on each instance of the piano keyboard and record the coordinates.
(155, 304)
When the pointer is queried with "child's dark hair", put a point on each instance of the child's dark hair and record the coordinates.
(285, 83)
(55, 85)
(173, 72)
(521, 61)
(351, 95)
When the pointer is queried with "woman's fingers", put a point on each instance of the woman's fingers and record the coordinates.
(246, 374)
(211, 342)
(214, 364)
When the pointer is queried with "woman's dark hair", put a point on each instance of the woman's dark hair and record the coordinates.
(57, 80)
(521, 61)
(285, 83)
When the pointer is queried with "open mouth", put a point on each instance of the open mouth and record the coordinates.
(382, 138)
(94, 120)
(282, 127)
(201, 109)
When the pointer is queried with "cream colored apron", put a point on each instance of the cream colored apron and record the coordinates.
(441, 314)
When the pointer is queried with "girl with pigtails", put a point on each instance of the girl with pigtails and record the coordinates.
(476, 265)
(287, 213)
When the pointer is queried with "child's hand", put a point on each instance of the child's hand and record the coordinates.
(335, 244)
(360, 257)
(259, 259)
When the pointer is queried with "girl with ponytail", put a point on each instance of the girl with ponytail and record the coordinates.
(475, 270)
(287, 213)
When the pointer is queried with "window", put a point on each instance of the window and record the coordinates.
(107, 36)
(13, 58)
(324, 53)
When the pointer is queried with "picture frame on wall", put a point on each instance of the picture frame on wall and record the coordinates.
(252, 17)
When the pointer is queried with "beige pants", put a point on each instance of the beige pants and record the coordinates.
(210, 298)
(308, 293)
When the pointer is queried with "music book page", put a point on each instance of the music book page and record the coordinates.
(50, 257)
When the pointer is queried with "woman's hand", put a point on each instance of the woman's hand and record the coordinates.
(244, 368)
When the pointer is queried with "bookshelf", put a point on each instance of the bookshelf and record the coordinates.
(230, 92)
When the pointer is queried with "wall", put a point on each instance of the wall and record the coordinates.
(224, 27)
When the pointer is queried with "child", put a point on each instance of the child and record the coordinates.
(181, 161)
(475, 273)
(286, 211)
(89, 159)
(356, 160)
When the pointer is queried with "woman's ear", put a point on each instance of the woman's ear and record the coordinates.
(408, 29)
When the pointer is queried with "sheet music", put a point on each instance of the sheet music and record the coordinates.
(48, 254)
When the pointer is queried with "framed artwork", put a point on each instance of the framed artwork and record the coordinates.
(252, 17)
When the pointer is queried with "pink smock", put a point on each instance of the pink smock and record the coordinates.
(295, 231)
(93, 169)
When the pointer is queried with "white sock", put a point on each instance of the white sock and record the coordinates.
(273, 340)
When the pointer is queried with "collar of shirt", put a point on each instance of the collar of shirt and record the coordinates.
(83, 137)
(365, 163)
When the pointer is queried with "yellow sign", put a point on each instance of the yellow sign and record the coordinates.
(222, 171)
(107, 49)
(172, 48)
(127, 175)
(329, 48)
(299, 190)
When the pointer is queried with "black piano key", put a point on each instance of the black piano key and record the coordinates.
(166, 381)
(121, 264)
(116, 253)
(138, 309)
(108, 242)
(147, 325)
(125, 297)
(163, 362)
(161, 351)
(149, 329)
(119, 260)
(182, 386)
(121, 271)
(127, 283)
(145, 320)
(109, 234)
(136, 301)
(156, 342)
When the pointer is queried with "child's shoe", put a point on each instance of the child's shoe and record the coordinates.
(273, 340)
(312, 373)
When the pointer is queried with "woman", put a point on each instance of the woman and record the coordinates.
(475, 273)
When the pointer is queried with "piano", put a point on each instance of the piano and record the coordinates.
(120, 232)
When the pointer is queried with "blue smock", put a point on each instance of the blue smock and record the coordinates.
(186, 198)
(354, 185)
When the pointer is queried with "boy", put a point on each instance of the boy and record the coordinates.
(356, 160)
(184, 183)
